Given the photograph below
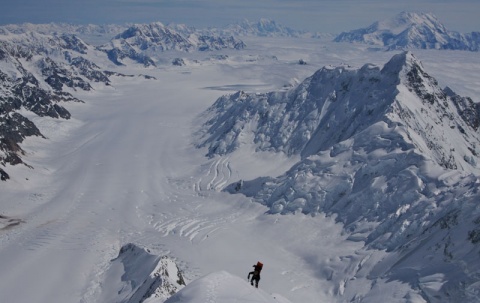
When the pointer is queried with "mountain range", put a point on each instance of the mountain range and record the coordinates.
(384, 150)
(42, 66)
(411, 30)
(139, 42)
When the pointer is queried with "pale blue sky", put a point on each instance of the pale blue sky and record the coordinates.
(314, 15)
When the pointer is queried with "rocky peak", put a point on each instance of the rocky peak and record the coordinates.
(144, 276)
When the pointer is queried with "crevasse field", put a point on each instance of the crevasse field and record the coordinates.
(124, 170)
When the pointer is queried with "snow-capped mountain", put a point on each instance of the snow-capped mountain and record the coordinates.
(141, 42)
(410, 30)
(386, 150)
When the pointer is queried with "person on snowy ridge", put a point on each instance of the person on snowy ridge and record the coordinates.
(255, 273)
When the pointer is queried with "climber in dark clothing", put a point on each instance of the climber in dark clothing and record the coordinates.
(255, 274)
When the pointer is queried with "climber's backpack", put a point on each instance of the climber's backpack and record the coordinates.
(259, 266)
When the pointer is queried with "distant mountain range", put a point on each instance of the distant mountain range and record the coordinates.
(42, 65)
(410, 30)
(139, 41)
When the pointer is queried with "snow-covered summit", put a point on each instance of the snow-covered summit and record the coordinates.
(223, 287)
(410, 30)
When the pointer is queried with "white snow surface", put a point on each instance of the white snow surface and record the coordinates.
(125, 170)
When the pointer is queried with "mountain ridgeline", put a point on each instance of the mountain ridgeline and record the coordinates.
(338, 103)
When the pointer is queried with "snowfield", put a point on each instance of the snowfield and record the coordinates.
(124, 172)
